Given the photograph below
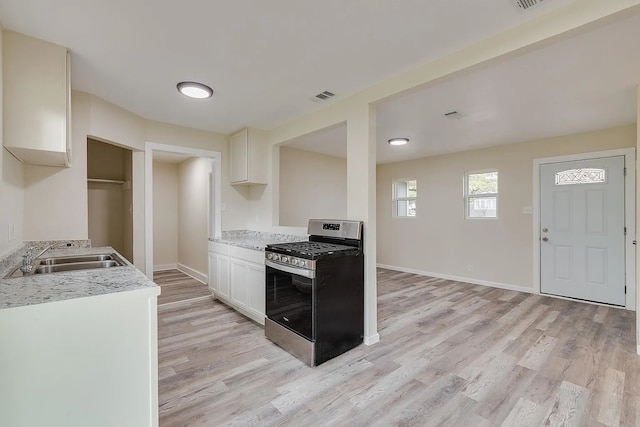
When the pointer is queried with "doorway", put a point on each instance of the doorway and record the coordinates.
(585, 227)
(210, 160)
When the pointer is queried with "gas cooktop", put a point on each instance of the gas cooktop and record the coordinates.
(309, 248)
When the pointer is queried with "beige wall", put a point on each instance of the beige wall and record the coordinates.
(312, 185)
(165, 214)
(193, 208)
(11, 190)
(62, 193)
(441, 241)
(105, 211)
(235, 199)
(109, 218)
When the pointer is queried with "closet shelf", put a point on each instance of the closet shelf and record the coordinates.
(106, 181)
(125, 185)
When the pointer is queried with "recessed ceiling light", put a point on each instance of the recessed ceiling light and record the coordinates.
(195, 90)
(398, 141)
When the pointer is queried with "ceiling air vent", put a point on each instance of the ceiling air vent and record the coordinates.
(323, 96)
(454, 115)
(526, 4)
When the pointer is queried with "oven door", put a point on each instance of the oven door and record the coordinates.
(289, 298)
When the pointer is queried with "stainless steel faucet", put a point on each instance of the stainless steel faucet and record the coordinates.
(28, 259)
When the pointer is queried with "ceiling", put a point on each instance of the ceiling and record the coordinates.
(579, 84)
(264, 59)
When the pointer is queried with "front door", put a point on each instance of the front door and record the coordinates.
(582, 253)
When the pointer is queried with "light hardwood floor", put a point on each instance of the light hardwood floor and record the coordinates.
(177, 286)
(450, 354)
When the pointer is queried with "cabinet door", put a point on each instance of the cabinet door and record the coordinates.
(223, 276)
(240, 156)
(239, 283)
(256, 288)
(36, 95)
(214, 284)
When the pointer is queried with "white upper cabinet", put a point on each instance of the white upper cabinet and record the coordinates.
(248, 158)
(36, 100)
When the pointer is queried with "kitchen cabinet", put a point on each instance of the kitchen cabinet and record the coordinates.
(36, 100)
(219, 275)
(239, 294)
(248, 158)
(237, 278)
(89, 361)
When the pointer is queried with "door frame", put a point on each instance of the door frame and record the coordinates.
(215, 193)
(629, 216)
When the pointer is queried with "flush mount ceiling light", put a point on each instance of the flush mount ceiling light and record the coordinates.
(195, 90)
(398, 141)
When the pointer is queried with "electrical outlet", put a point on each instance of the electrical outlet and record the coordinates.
(470, 267)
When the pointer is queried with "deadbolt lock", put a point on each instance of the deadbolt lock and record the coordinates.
(545, 239)
(544, 230)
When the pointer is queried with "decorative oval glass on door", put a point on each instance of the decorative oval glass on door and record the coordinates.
(581, 176)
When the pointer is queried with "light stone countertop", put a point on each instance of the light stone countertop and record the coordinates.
(256, 240)
(43, 288)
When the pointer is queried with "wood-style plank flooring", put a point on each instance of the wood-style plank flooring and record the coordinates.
(176, 286)
(450, 354)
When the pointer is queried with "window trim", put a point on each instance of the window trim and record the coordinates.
(395, 199)
(466, 196)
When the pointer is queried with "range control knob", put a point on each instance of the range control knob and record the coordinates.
(295, 261)
(276, 257)
(270, 256)
(285, 259)
(302, 263)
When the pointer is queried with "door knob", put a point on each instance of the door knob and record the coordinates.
(545, 239)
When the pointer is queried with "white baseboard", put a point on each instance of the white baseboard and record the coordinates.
(459, 279)
(165, 267)
(371, 340)
(193, 273)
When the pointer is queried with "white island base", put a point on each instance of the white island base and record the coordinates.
(81, 362)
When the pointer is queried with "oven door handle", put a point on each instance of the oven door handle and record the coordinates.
(309, 274)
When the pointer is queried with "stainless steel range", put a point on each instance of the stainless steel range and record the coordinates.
(315, 291)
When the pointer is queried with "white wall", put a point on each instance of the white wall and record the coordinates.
(165, 214)
(312, 185)
(193, 213)
(441, 241)
(11, 190)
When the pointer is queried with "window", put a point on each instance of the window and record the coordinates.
(481, 194)
(581, 176)
(405, 192)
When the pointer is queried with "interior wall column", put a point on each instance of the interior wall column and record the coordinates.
(637, 220)
(361, 204)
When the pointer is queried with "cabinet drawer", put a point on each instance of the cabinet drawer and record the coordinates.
(219, 248)
(249, 255)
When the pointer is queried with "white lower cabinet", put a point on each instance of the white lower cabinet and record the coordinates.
(219, 275)
(237, 278)
(256, 289)
(223, 276)
(239, 294)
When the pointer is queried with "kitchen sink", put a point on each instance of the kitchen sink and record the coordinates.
(72, 266)
(70, 263)
(75, 259)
